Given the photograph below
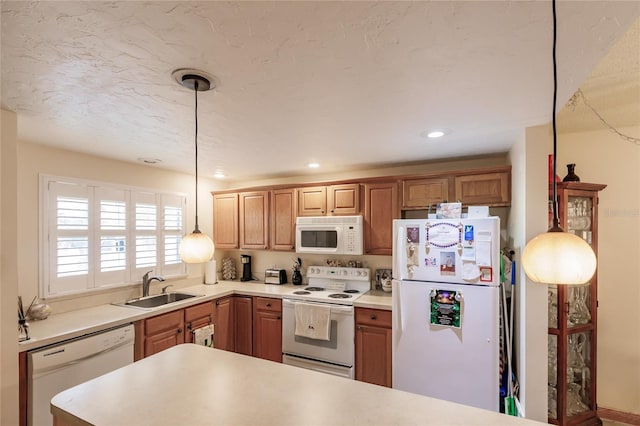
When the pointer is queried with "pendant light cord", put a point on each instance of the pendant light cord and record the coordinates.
(195, 89)
(556, 219)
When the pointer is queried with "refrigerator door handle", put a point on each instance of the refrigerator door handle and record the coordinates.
(398, 249)
(398, 320)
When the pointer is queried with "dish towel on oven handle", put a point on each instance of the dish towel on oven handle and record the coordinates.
(313, 321)
(203, 336)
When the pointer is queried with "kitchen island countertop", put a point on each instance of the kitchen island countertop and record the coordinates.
(194, 385)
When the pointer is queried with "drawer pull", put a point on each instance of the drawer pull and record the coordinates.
(374, 317)
(268, 305)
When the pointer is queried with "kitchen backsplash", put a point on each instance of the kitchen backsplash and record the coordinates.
(264, 259)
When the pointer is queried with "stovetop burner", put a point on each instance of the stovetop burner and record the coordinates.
(314, 289)
(352, 291)
(339, 296)
(301, 292)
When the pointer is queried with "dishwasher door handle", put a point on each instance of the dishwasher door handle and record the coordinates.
(43, 371)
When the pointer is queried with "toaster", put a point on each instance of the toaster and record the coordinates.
(275, 276)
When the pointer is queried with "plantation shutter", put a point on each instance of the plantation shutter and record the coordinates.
(69, 242)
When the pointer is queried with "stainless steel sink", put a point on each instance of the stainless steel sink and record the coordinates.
(157, 300)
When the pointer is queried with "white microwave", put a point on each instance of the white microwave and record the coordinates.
(329, 235)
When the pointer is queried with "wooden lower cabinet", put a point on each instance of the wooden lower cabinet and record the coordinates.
(233, 324)
(244, 325)
(163, 331)
(224, 337)
(197, 316)
(373, 346)
(267, 328)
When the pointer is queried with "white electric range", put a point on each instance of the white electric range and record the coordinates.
(338, 285)
(337, 288)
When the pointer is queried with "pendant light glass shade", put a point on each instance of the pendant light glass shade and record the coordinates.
(196, 248)
(559, 258)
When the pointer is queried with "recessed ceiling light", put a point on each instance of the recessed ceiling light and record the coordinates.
(436, 133)
(150, 160)
(313, 165)
(218, 175)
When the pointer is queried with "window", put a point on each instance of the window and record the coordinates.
(100, 236)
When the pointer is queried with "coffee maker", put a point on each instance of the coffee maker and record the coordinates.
(245, 259)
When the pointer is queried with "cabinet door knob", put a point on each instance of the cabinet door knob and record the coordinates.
(268, 305)
(179, 330)
(278, 317)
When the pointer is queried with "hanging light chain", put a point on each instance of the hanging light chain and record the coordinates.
(580, 94)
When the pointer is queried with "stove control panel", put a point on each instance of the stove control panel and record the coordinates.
(337, 272)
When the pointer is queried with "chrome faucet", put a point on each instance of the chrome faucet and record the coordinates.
(146, 280)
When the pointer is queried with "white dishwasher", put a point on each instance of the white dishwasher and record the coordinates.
(64, 365)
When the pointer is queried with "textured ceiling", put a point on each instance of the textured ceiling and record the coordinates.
(346, 84)
(612, 90)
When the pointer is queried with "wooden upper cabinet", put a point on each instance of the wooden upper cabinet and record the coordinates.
(312, 201)
(380, 208)
(422, 193)
(254, 220)
(343, 200)
(333, 200)
(225, 221)
(283, 219)
(491, 189)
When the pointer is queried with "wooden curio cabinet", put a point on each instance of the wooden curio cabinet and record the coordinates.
(573, 317)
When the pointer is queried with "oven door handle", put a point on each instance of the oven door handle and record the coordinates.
(334, 308)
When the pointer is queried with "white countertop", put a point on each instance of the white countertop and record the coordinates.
(68, 325)
(194, 385)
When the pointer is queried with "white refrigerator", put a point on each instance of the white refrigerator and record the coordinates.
(445, 293)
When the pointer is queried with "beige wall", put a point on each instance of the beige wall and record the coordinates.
(528, 218)
(8, 271)
(34, 160)
(603, 157)
(407, 169)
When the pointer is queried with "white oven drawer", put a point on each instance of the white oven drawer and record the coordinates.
(322, 367)
(339, 349)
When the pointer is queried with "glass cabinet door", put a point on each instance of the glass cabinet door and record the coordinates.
(579, 375)
(572, 317)
(580, 217)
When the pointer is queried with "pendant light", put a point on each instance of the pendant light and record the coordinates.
(558, 257)
(196, 247)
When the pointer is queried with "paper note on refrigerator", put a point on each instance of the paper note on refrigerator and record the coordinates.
(483, 249)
